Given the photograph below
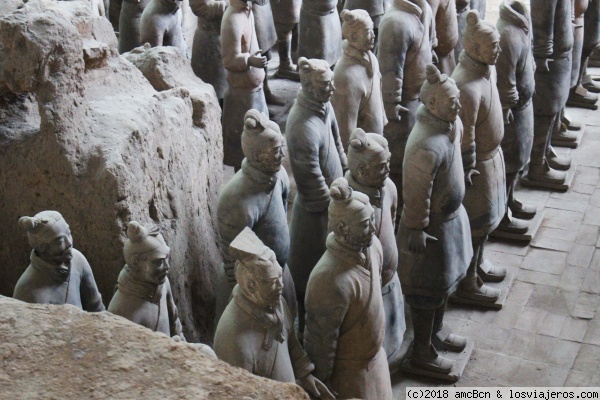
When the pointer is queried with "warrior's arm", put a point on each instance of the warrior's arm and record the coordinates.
(507, 69)
(335, 130)
(91, 299)
(300, 362)
(542, 21)
(326, 307)
(468, 116)
(174, 322)
(346, 103)
(394, 44)
(303, 147)
(418, 172)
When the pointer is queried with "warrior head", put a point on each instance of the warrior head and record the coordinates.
(368, 158)
(481, 39)
(357, 28)
(146, 253)
(440, 94)
(316, 78)
(262, 142)
(49, 235)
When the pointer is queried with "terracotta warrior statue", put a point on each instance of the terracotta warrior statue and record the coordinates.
(161, 24)
(345, 317)
(406, 37)
(320, 31)
(58, 273)
(245, 65)
(515, 67)
(591, 40)
(463, 7)
(143, 292)
(357, 99)
(256, 331)
(286, 14)
(434, 238)
(552, 52)
(206, 49)
(369, 167)
(257, 198)
(481, 115)
(317, 158)
(129, 24)
(579, 96)
(446, 31)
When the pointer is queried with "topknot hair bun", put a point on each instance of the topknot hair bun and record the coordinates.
(254, 119)
(472, 17)
(304, 64)
(358, 139)
(136, 232)
(340, 190)
(28, 223)
(346, 16)
(433, 74)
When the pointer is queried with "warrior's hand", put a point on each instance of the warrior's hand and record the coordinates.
(417, 240)
(542, 64)
(508, 116)
(315, 387)
(393, 110)
(257, 60)
(469, 176)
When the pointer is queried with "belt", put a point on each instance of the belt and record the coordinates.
(357, 364)
(486, 155)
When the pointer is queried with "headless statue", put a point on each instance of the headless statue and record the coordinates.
(317, 158)
(446, 31)
(129, 24)
(345, 318)
(406, 37)
(257, 198)
(552, 52)
(286, 14)
(368, 171)
(515, 67)
(161, 24)
(256, 332)
(320, 31)
(58, 273)
(483, 160)
(357, 99)
(434, 238)
(206, 49)
(245, 67)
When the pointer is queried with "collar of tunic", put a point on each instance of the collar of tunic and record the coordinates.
(59, 273)
(258, 176)
(439, 125)
(510, 14)
(240, 5)
(414, 7)
(375, 194)
(472, 65)
(316, 106)
(271, 320)
(131, 286)
(361, 57)
(346, 253)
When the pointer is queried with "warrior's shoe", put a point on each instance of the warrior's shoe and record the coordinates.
(490, 272)
(560, 163)
(476, 290)
(563, 134)
(543, 173)
(439, 364)
(582, 98)
(512, 225)
(522, 211)
(444, 339)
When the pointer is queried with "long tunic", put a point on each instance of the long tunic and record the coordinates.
(129, 24)
(591, 30)
(317, 159)
(481, 115)
(160, 25)
(385, 203)
(71, 283)
(406, 36)
(552, 38)
(238, 43)
(258, 200)
(345, 322)
(261, 342)
(446, 30)
(516, 67)
(357, 99)
(206, 49)
(320, 31)
(146, 304)
(264, 24)
(433, 193)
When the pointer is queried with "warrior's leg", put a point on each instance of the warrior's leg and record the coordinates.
(539, 170)
(442, 337)
(472, 287)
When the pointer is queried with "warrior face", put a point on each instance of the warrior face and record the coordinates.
(265, 283)
(320, 85)
(446, 103)
(270, 157)
(154, 266)
(489, 49)
(363, 38)
(357, 232)
(375, 172)
(59, 249)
